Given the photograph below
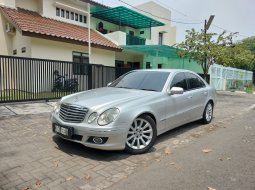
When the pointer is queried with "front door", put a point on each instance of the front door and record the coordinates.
(178, 105)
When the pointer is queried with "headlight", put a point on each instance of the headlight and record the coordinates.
(57, 107)
(108, 116)
(92, 117)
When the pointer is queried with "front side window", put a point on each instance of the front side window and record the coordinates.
(80, 63)
(194, 81)
(142, 80)
(179, 80)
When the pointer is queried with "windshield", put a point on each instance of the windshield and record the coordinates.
(142, 80)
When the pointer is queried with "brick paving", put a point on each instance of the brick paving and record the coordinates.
(31, 157)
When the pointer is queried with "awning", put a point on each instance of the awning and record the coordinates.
(124, 16)
(153, 50)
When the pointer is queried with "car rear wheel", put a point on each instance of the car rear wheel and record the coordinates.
(141, 135)
(208, 113)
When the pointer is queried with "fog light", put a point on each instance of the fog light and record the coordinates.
(97, 140)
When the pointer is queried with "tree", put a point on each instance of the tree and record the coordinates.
(236, 56)
(207, 49)
(249, 43)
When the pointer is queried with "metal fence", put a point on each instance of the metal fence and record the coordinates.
(227, 78)
(27, 79)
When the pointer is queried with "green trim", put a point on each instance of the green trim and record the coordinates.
(124, 16)
(153, 50)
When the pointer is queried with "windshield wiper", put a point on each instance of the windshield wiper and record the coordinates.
(149, 90)
(123, 87)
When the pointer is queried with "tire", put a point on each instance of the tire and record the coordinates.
(141, 136)
(208, 113)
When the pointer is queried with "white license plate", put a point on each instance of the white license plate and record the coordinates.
(61, 130)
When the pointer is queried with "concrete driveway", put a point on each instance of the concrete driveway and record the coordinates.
(31, 157)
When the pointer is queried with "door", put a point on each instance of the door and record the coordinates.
(178, 105)
(199, 94)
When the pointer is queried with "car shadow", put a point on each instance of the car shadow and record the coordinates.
(173, 133)
(73, 148)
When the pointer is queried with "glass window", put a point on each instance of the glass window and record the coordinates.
(142, 80)
(76, 17)
(84, 19)
(160, 38)
(67, 14)
(81, 17)
(57, 11)
(194, 81)
(80, 65)
(179, 80)
(62, 13)
(72, 16)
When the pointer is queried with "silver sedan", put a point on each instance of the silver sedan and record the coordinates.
(134, 109)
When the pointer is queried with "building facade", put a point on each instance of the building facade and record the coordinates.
(88, 32)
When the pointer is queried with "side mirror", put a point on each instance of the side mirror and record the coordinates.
(109, 83)
(175, 90)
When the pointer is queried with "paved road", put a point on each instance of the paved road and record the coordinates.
(32, 157)
(229, 163)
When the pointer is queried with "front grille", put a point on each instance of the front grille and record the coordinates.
(72, 113)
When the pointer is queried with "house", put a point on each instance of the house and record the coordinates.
(119, 36)
(51, 29)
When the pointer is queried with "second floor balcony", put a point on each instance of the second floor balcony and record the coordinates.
(134, 40)
(122, 38)
(125, 26)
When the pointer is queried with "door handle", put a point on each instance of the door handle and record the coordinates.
(205, 93)
(189, 97)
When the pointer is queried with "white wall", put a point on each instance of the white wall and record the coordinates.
(49, 9)
(5, 39)
(118, 37)
(33, 5)
(18, 42)
(103, 57)
(47, 49)
(8, 3)
(169, 36)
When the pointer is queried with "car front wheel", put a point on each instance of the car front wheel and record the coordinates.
(141, 135)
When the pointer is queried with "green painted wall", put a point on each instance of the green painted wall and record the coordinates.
(170, 63)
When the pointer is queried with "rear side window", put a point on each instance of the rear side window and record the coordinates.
(179, 80)
(194, 81)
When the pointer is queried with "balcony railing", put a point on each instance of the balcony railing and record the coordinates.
(134, 40)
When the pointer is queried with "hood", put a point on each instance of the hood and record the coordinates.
(105, 97)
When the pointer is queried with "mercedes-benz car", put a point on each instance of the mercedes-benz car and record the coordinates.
(134, 109)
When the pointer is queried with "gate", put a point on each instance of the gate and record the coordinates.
(227, 78)
(28, 79)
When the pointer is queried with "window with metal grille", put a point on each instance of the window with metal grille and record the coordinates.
(80, 63)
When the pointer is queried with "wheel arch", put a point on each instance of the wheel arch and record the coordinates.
(149, 114)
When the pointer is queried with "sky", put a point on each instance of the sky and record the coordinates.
(230, 15)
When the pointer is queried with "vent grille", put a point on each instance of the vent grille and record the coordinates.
(72, 113)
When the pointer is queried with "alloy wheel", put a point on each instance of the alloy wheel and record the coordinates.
(140, 134)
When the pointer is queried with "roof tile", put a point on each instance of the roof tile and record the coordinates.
(32, 22)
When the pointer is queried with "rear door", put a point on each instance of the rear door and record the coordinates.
(199, 93)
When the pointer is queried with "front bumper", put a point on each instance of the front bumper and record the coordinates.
(82, 133)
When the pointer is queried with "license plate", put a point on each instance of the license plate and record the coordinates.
(62, 130)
